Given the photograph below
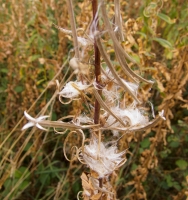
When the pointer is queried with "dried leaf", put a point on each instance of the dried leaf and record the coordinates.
(96, 196)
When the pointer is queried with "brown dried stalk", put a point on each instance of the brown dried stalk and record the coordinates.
(96, 63)
(112, 69)
(73, 27)
(102, 103)
(118, 20)
(97, 73)
(120, 52)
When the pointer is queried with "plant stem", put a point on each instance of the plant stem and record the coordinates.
(100, 182)
(118, 20)
(97, 75)
(97, 65)
(73, 27)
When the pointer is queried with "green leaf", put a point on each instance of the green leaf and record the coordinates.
(49, 191)
(150, 9)
(182, 164)
(136, 58)
(142, 34)
(24, 184)
(145, 143)
(140, 150)
(182, 123)
(31, 39)
(169, 180)
(41, 81)
(186, 138)
(4, 70)
(28, 146)
(163, 42)
(174, 144)
(165, 153)
(40, 43)
(19, 89)
(33, 58)
(134, 167)
(177, 185)
(44, 179)
(166, 18)
(54, 116)
(19, 172)
(51, 73)
(32, 20)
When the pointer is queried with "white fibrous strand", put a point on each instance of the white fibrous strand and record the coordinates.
(72, 89)
(85, 42)
(86, 193)
(68, 32)
(82, 119)
(110, 95)
(130, 116)
(102, 159)
(135, 115)
(132, 86)
(94, 24)
(107, 74)
(161, 114)
(78, 66)
(34, 122)
(115, 133)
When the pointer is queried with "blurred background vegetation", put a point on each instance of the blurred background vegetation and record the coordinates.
(33, 51)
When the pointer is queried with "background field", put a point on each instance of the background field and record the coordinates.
(33, 51)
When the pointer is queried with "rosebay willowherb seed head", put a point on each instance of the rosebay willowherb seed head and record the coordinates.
(102, 159)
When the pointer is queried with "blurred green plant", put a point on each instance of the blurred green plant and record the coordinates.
(32, 52)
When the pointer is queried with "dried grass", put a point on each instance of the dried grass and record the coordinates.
(33, 55)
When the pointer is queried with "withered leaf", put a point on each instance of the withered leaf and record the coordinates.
(96, 196)
(85, 182)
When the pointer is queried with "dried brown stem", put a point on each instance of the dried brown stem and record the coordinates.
(97, 73)
(73, 27)
(122, 54)
(112, 69)
(118, 20)
(96, 63)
